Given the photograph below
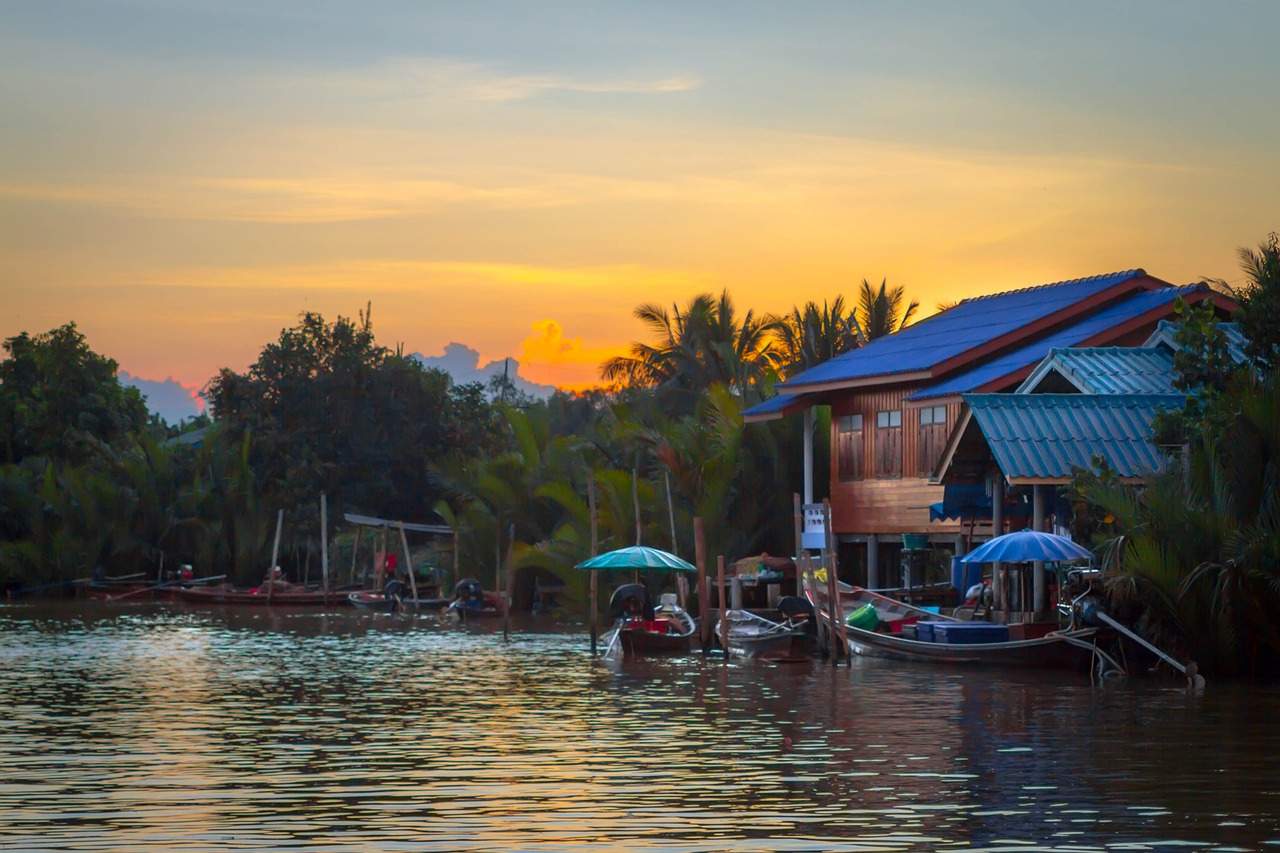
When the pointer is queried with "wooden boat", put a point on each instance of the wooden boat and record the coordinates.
(473, 601)
(225, 594)
(369, 600)
(752, 635)
(668, 630)
(878, 626)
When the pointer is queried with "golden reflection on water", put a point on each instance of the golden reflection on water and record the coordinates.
(154, 729)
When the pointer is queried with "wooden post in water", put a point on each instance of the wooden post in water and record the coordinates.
(724, 622)
(799, 525)
(595, 544)
(511, 584)
(324, 546)
(832, 562)
(275, 555)
(408, 564)
(700, 560)
(811, 583)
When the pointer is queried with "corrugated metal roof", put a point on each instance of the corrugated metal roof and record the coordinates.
(970, 324)
(1033, 353)
(1167, 329)
(1041, 436)
(1108, 370)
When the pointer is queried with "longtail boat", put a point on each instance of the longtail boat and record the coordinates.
(667, 630)
(879, 626)
(225, 594)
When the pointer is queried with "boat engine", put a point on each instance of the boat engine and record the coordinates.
(795, 608)
(629, 601)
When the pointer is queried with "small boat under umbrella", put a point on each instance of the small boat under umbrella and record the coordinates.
(667, 630)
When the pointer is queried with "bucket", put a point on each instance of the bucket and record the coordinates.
(915, 542)
(865, 617)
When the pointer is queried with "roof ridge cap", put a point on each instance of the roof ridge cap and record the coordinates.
(1127, 274)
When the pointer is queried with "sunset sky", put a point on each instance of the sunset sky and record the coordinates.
(182, 178)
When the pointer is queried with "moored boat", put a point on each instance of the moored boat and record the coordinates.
(225, 594)
(752, 635)
(667, 630)
(471, 601)
(369, 600)
(878, 626)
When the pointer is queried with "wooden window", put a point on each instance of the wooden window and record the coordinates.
(933, 435)
(889, 444)
(849, 451)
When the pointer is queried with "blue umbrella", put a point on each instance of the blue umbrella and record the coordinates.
(638, 557)
(1026, 546)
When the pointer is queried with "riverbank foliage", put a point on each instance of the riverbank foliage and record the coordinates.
(89, 483)
(1194, 554)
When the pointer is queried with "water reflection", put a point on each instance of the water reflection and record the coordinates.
(152, 729)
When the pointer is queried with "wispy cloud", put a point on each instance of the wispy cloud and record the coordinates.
(443, 79)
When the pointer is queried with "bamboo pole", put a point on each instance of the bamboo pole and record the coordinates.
(700, 560)
(510, 585)
(275, 555)
(324, 546)
(457, 545)
(635, 497)
(682, 583)
(724, 622)
(408, 565)
(595, 544)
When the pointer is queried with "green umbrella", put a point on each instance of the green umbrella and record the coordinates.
(638, 557)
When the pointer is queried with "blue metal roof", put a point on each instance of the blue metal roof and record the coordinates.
(1135, 306)
(1041, 436)
(772, 406)
(1108, 370)
(970, 324)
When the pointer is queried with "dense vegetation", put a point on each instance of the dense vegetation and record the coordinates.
(89, 482)
(1194, 554)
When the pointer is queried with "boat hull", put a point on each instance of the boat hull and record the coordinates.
(638, 642)
(1066, 649)
(378, 601)
(225, 595)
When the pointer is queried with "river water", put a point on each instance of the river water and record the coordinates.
(152, 728)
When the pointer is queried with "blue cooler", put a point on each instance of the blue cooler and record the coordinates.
(970, 633)
(925, 631)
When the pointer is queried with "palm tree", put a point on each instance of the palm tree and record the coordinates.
(880, 312)
(697, 347)
(811, 335)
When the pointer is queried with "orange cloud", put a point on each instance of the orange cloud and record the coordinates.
(548, 357)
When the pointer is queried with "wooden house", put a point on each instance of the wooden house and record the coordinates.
(895, 402)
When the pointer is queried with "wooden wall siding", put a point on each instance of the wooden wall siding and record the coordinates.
(899, 505)
(886, 506)
(932, 439)
(850, 455)
(888, 453)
